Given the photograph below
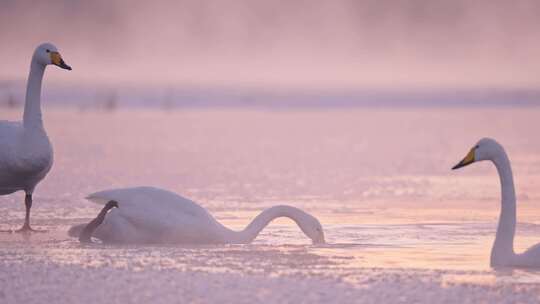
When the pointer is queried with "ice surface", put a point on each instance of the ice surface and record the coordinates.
(401, 227)
(45, 283)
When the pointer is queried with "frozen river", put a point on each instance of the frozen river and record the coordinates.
(400, 225)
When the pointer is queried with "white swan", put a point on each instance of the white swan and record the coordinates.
(502, 253)
(152, 215)
(26, 154)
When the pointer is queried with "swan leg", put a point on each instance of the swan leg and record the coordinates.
(26, 226)
(86, 234)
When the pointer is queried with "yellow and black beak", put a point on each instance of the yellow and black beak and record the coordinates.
(469, 159)
(57, 60)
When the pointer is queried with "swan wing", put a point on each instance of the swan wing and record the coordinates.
(149, 197)
(531, 257)
(9, 132)
(25, 157)
(152, 215)
(10, 178)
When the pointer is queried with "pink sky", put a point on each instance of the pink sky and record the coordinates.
(299, 44)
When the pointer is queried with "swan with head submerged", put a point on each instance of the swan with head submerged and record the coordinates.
(26, 154)
(151, 215)
(502, 253)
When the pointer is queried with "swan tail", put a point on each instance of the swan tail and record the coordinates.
(97, 198)
(123, 194)
(103, 197)
(75, 231)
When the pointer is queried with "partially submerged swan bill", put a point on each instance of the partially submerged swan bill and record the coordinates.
(147, 215)
(26, 154)
(502, 253)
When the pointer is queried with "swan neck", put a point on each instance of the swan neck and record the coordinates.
(503, 246)
(32, 107)
(263, 219)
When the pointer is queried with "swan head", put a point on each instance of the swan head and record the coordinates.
(485, 149)
(47, 53)
(313, 229)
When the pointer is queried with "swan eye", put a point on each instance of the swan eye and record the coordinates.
(47, 50)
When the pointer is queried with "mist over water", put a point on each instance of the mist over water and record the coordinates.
(311, 45)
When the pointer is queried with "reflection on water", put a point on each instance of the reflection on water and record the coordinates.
(379, 181)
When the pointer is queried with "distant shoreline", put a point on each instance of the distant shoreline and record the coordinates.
(225, 97)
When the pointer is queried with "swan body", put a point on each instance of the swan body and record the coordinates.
(26, 154)
(25, 158)
(502, 253)
(151, 215)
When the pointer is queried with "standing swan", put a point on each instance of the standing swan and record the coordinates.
(502, 253)
(151, 215)
(26, 154)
